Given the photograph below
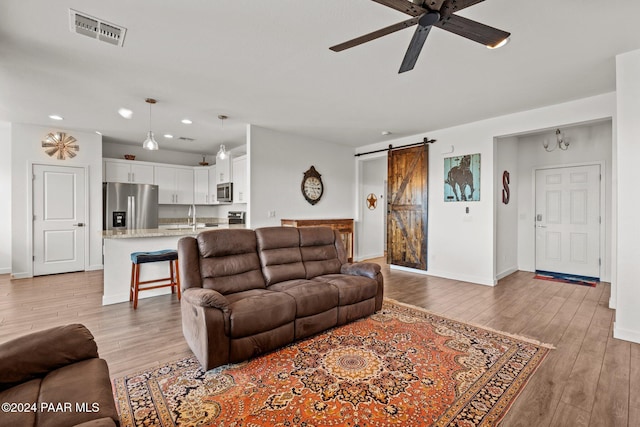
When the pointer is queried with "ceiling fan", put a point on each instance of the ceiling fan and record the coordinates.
(426, 14)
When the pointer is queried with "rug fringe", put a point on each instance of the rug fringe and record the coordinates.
(476, 325)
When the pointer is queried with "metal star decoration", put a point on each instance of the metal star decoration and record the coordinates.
(61, 145)
(372, 201)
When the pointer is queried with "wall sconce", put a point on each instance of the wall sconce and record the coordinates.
(561, 142)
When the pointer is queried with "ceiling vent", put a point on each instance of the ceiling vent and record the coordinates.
(96, 28)
(184, 138)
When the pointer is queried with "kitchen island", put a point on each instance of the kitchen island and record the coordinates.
(118, 246)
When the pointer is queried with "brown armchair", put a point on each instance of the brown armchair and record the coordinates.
(55, 378)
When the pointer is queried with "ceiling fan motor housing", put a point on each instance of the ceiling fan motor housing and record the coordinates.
(428, 19)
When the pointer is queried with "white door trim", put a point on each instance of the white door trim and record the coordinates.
(603, 211)
(30, 251)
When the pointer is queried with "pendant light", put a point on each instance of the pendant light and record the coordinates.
(150, 143)
(222, 152)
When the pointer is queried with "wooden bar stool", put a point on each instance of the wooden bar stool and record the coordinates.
(138, 258)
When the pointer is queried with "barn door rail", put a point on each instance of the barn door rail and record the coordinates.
(425, 140)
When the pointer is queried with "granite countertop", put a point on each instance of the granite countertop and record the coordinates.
(163, 232)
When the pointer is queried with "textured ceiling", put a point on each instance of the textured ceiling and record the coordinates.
(269, 63)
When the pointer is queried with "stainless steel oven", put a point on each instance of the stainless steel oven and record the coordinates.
(225, 192)
(236, 217)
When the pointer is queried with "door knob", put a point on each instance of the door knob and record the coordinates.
(80, 224)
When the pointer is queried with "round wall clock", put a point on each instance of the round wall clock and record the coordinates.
(312, 186)
(61, 145)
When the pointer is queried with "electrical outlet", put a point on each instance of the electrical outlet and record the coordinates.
(271, 214)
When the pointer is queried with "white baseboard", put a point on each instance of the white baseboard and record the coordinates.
(369, 256)
(410, 270)
(626, 334)
(506, 272)
(5, 270)
(95, 267)
(463, 277)
(21, 275)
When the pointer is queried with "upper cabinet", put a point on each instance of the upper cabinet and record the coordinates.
(240, 179)
(223, 170)
(175, 185)
(204, 187)
(128, 171)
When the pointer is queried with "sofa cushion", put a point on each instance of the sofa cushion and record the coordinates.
(38, 353)
(85, 386)
(26, 392)
(259, 310)
(279, 251)
(229, 261)
(311, 297)
(319, 254)
(351, 289)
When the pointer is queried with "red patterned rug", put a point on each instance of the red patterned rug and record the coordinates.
(400, 367)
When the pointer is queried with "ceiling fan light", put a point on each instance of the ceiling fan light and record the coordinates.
(150, 143)
(499, 44)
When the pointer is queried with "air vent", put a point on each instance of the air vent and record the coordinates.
(184, 138)
(96, 28)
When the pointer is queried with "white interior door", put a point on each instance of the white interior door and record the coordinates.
(59, 219)
(568, 220)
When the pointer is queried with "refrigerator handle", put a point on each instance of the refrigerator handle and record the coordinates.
(131, 212)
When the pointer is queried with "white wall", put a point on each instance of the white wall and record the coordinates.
(5, 194)
(26, 142)
(462, 246)
(278, 162)
(506, 214)
(589, 143)
(370, 226)
(627, 323)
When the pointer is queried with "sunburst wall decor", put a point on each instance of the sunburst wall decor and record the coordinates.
(61, 145)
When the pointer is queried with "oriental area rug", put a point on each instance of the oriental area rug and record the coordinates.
(402, 366)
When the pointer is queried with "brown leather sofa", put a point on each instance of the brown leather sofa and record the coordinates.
(247, 292)
(55, 378)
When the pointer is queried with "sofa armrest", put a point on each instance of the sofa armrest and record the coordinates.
(367, 269)
(34, 355)
(206, 298)
(189, 263)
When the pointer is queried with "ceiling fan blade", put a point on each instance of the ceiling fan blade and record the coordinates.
(374, 35)
(404, 6)
(451, 6)
(472, 30)
(415, 47)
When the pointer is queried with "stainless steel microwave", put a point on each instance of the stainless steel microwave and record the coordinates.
(225, 192)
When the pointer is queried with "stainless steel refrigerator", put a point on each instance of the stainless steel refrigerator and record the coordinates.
(129, 206)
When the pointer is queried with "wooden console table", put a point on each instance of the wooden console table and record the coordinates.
(343, 226)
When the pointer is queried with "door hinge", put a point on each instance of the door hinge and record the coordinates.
(34, 258)
(600, 220)
(33, 177)
(599, 261)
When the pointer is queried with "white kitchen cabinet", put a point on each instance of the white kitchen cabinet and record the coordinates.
(204, 187)
(201, 186)
(223, 170)
(175, 185)
(240, 179)
(127, 171)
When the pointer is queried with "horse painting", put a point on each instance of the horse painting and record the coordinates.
(460, 179)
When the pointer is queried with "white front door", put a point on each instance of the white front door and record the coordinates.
(58, 219)
(567, 220)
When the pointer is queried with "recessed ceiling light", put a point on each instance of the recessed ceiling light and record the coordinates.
(500, 44)
(186, 121)
(168, 136)
(386, 132)
(55, 117)
(98, 132)
(125, 112)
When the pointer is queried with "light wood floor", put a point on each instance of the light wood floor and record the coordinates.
(590, 379)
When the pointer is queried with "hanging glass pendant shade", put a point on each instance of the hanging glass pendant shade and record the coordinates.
(222, 152)
(150, 143)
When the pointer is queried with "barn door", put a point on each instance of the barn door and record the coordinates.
(407, 207)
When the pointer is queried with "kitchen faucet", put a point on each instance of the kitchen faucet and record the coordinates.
(191, 216)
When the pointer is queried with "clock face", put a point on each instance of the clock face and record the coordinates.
(312, 187)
